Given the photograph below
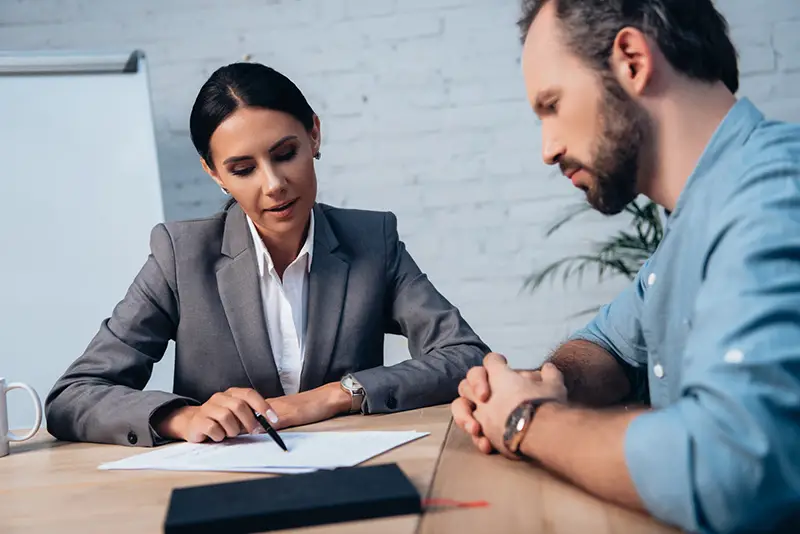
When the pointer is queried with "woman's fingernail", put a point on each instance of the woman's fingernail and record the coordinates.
(258, 430)
(272, 416)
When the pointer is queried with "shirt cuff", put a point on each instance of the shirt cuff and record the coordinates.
(587, 334)
(658, 457)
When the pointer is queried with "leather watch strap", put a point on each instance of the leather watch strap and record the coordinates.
(519, 421)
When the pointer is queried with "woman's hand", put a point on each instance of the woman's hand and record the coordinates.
(311, 406)
(225, 414)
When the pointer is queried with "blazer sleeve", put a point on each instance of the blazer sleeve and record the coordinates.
(99, 398)
(443, 347)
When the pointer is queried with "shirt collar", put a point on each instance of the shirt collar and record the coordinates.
(732, 132)
(262, 254)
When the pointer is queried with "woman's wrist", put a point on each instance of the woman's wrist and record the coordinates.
(173, 424)
(338, 399)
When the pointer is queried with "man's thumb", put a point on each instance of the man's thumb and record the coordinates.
(494, 361)
(550, 373)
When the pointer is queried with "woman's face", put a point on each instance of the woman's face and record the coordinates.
(265, 160)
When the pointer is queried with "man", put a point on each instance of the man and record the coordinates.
(637, 97)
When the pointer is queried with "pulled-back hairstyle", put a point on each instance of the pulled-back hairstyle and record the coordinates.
(243, 85)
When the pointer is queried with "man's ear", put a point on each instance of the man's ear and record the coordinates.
(632, 60)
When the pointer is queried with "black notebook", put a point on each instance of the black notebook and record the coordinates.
(292, 501)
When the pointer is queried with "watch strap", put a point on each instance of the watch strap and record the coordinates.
(356, 393)
(519, 421)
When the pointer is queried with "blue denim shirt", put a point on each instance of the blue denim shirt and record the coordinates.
(713, 319)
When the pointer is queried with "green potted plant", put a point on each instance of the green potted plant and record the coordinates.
(622, 254)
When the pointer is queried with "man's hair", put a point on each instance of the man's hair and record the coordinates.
(691, 34)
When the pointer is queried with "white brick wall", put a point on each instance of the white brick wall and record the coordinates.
(423, 113)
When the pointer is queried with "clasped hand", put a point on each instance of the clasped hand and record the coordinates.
(489, 394)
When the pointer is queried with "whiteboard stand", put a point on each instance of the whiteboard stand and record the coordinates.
(81, 191)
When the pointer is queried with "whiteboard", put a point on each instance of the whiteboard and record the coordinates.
(81, 191)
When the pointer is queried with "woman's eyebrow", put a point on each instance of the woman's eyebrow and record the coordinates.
(281, 141)
(278, 143)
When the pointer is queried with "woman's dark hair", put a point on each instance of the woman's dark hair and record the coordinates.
(691, 34)
(243, 85)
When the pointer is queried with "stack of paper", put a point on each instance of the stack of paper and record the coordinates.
(308, 451)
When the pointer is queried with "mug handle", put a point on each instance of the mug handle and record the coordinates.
(36, 402)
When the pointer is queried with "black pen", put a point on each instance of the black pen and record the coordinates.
(271, 431)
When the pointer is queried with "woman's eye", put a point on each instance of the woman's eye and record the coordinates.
(244, 171)
(286, 156)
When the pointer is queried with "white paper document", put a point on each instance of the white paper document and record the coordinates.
(308, 451)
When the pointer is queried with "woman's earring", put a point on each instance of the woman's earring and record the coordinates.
(317, 155)
(224, 191)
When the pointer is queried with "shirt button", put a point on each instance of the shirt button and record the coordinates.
(132, 438)
(734, 356)
(651, 279)
(658, 370)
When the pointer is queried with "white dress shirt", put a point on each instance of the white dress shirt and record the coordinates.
(285, 307)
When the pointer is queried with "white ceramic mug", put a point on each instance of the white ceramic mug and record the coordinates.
(5, 435)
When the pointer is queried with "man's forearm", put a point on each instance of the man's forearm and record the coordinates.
(587, 447)
(593, 376)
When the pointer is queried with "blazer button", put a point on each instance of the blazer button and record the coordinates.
(391, 403)
(132, 438)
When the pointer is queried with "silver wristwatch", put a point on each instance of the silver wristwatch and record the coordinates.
(356, 391)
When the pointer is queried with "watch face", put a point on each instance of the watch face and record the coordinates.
(347, 382)
(515, 422)
(351, 384)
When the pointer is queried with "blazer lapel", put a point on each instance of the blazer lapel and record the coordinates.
(326, 293)
(240, 292)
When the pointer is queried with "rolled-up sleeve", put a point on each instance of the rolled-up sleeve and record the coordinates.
(726, 456)
(617, 328)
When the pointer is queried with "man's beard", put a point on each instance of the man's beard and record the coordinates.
(626, 128)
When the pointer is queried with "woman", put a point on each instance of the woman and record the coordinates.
(278, 304)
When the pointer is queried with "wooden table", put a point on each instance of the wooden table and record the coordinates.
(523, 498)
(51, 486)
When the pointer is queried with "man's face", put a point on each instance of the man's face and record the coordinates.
(591, 127)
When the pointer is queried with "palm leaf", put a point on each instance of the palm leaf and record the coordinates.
(577, 266)
(588, 311)
(572, 212)
(623, 254)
